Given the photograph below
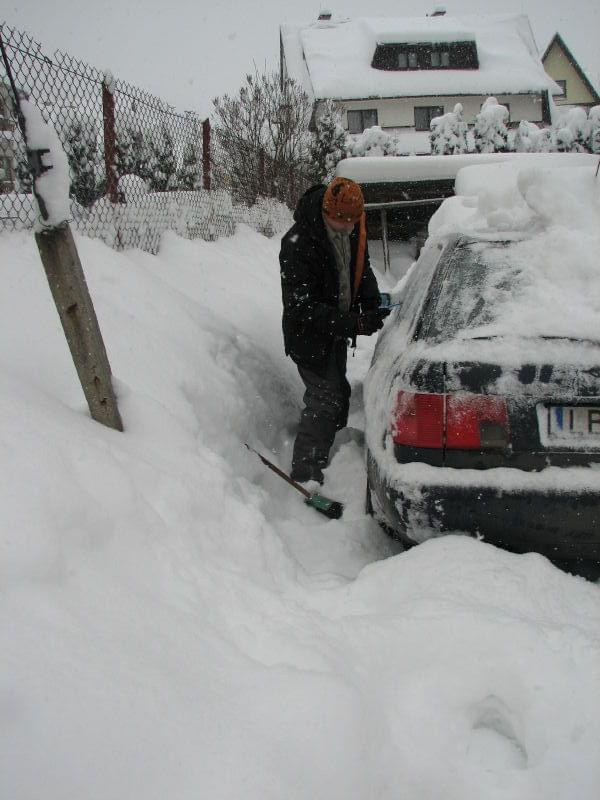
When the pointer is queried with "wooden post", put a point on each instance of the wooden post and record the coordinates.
(206, 154)
(76, 311)
(108, 113)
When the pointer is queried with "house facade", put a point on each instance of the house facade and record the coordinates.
(562, 67)
(399, 73)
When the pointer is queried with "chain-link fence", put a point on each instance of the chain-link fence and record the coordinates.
(137, 167)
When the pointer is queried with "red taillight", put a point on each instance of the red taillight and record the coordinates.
(418, 420)
(455, 421)
(476, 422)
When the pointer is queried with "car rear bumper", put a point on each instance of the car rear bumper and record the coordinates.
(562, 525)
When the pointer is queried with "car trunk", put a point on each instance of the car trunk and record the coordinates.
(553, 414)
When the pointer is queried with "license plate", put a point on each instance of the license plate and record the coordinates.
(572, 423)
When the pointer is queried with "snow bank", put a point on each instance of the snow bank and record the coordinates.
(176, 623)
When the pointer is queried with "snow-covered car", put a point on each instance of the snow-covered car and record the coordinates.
(483, 397)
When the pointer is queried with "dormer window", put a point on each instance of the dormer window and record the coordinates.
(426, 55)
(440, 58)
(407, 60)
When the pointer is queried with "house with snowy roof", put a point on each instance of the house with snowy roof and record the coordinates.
(400, 73)
(562, 66)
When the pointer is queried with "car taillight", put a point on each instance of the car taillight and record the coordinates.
(418, 420)
(476, 422)
(455, 421)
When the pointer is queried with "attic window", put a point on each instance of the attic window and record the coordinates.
(440, 58)
(426, 55)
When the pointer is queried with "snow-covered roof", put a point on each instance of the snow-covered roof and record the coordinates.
(399, 169)
(332, 59)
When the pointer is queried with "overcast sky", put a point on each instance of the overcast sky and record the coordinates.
(189, 51)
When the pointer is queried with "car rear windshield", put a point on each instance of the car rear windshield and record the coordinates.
(471, 288)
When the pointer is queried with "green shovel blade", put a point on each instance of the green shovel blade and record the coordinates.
(331, 508)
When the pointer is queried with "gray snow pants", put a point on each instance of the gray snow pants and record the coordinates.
(326, 404)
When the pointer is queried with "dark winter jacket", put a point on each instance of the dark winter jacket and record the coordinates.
(312, 320)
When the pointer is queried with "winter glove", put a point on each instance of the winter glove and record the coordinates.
(364, 324)
(371, 321)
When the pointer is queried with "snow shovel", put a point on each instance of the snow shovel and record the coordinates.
(331, 508)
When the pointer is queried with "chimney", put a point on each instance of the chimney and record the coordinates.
(324, 14)
(439, 11)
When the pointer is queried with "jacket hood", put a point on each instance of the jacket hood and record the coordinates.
(310, 207)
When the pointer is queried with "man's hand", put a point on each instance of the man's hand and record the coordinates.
(371, 321)
(364, 324)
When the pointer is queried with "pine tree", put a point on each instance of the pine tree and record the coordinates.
(82, 150)
(449, 133)
(125, 160)
(329, 144)
(163, 167)
(188, 175)
(142, 151)
(490, 131)
(22, 172)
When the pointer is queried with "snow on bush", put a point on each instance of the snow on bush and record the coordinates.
(373, 142)
(594, 130)
(132, 188)
(490, 131)
(449, 133)
(267, 216)
(572, 132)
(527, 137)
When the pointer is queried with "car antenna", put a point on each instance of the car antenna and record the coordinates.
(598, 167)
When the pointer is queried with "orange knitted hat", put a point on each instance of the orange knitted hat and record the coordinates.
(343, 200)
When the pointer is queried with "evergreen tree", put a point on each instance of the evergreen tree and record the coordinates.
(329, 143)
(142, 150)
(449, 133)
(163, 166)
(490, 131)
(125, 160)
(189, 174)
(82, 150)
(22, 172)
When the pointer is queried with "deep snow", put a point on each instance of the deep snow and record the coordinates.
(177, 624)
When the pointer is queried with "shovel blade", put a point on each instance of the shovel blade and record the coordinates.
(331, 508)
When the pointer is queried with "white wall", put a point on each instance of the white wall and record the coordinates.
(399, 112)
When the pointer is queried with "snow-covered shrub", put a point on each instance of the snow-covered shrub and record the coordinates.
(142, 221)
(526, 137)
(546, 141)
(330, 141)
(490, 131)
(449, 133)
(132, 188)
(572, 132)
(594, 130)
(267, 216)
(373, 142)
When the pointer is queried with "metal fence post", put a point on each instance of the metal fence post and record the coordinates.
(108, 113)
(206, 154)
